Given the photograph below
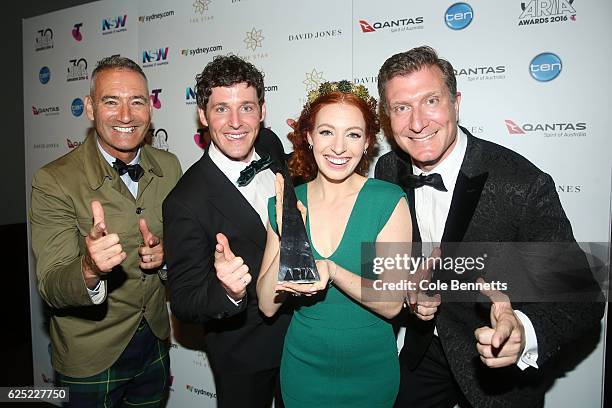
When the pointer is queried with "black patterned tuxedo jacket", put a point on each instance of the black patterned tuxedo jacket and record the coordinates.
(499, 197)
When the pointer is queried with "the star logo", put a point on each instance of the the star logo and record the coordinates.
(201, 6)
(253, 39)
(313, 80)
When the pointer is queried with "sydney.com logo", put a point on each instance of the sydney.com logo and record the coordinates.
(200, 50)
(200, 391)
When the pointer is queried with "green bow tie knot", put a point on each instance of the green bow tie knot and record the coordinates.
(248, 174)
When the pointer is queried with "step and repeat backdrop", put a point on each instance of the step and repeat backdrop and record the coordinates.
(532, 75)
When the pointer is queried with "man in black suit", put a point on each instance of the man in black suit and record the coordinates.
(480, 192)
(209, 209)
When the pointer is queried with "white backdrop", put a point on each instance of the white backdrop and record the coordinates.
(558, 123)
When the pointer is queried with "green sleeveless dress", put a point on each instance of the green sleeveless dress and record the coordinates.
(337, 353)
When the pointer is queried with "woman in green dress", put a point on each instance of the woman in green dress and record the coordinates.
(340, 350)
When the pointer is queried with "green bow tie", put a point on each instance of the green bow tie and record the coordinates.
(248, 174)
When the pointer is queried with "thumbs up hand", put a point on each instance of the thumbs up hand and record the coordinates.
(103, 250)
(231, 270)
(152, 250)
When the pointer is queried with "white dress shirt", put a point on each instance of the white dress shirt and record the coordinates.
(432, 206)
(98, 294)
(257, 192)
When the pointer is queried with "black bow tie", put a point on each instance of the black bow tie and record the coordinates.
(134, 170)
(248, 174)
(434, 180)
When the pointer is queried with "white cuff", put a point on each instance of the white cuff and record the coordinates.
(529, 358)
(98, 294)
(236, 302)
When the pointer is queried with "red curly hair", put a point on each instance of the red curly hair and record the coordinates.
(302, 164)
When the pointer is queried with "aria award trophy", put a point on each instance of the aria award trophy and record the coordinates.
(297, 263)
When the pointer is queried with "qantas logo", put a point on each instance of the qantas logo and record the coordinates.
(401, 24)
(522, 129)
(513, 128)
(366, 27)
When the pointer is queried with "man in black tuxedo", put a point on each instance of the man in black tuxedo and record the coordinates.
(209, 209)
(480, 192)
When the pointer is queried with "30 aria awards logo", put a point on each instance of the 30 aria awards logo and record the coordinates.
(77, 70)
(546, 11)
(76, 32)
(395, 25)
(159, 138)
(190, 96)
(43, 39)
(253, 39)
(154, 57)
(200, 8)
(114, 25)
(44, 75)
(155, 100)
(545, 67)
(77, 107)
(458, 16)
(313, 80)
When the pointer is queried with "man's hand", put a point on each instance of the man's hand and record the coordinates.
(292, 123)
(152, 250)
(231, 270)
(423, 306)
(503, 343)
(104, 251)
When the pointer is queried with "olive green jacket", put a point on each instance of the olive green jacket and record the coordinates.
(88, 338)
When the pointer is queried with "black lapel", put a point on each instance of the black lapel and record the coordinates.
(466, 195)
(226, 198)
(404, 168)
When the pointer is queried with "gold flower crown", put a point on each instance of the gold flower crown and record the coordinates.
(343, 86)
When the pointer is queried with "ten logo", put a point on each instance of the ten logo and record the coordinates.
(77, 107)
(545, 67)
(458, 16)
(44, 75)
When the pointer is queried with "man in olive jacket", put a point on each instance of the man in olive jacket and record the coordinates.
(96, 234)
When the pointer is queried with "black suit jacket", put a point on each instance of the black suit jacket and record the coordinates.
(499, 196)
(204, 203)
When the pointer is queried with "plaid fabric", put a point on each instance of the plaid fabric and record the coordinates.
(139, 377)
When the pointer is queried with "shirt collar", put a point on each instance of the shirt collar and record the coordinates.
(231, 168)
(110, 159)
